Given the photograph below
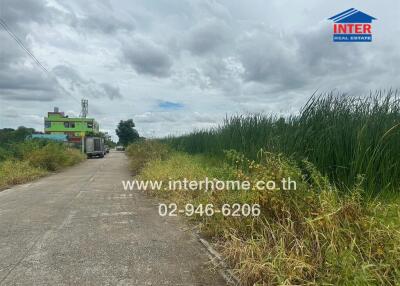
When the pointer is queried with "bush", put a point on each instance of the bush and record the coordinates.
(29, 160)
(144, 151)
(312, 235)
(53, 157)
(4, 154)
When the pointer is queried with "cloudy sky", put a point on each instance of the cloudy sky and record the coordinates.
(179, 65)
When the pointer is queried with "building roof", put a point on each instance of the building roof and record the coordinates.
(69, 119)
(352, 16)
(54, 137)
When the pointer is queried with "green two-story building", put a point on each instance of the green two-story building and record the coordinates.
(57, 122)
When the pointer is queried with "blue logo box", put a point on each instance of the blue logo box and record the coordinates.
(352, 38)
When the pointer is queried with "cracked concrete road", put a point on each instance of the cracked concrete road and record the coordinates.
(79, 227)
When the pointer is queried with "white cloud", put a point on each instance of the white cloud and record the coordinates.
(214, 58)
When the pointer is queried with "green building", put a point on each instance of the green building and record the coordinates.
(57, 122)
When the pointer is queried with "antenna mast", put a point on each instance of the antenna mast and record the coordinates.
(85, 108)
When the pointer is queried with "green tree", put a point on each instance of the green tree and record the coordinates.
(126, 132)
(9, 135)
(107, 139)
(11, 141)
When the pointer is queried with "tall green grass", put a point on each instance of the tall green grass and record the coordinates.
(349, 139)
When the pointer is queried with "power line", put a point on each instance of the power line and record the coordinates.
(21, 44)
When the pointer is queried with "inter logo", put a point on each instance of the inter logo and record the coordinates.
(352, 26)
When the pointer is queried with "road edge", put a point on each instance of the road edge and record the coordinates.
(218, 262)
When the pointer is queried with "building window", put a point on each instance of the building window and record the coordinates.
(90, 124)
(47, 124)
(69, 124)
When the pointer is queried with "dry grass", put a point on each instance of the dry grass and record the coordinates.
(17, 172)
(310, 236)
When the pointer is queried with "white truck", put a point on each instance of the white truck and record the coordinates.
(94, 147)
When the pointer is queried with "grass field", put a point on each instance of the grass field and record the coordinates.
(333, 229)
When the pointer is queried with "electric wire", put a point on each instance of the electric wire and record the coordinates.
(31, 55)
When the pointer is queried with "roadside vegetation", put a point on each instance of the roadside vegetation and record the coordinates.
(23, 161)
(344, 137)
(334, 229)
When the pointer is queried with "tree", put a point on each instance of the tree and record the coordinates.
(126, 133)
(107, 139)
(9, 135)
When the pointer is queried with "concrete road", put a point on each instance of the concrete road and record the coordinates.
(79, 227)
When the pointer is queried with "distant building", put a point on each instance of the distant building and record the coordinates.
(52, 137)
(57, 122)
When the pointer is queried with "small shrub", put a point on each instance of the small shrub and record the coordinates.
(53, 157)
(145, 151)
(4, 154)
(74, 156)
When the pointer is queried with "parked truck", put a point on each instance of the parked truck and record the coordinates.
(94, 147)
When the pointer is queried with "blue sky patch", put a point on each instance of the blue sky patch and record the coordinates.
(169, 105)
